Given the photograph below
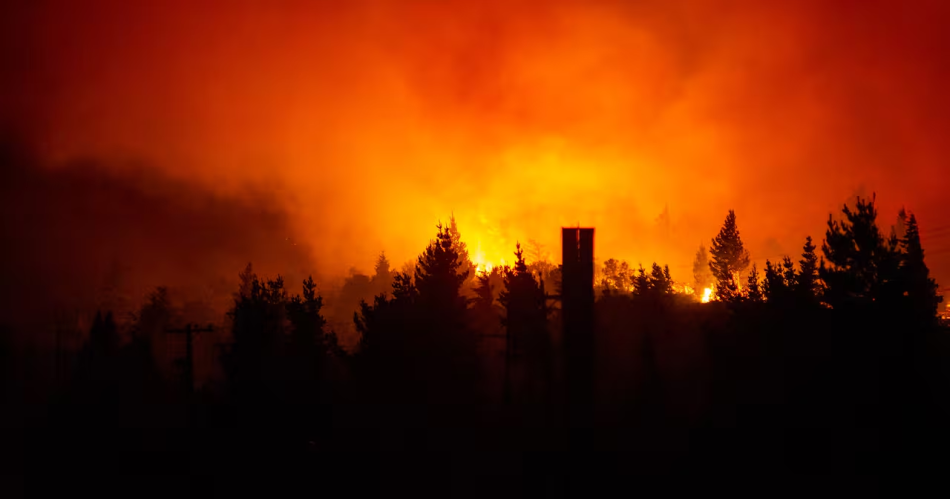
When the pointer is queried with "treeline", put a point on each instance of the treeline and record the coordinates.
(781, 363)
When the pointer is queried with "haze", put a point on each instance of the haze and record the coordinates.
(364, 123)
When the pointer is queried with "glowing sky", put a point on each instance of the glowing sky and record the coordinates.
(369, 121)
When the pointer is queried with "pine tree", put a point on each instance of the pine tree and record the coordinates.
(305, 319)
(487, 288)
(418, 343)
(306, 357)
(702, 276)
(900, 227)
(863, 267)
(382, 267)
(538, 260)
(753, 291)
(252, 361)
(381, 323)
(525, 317)
(921, 289)
(806, 282)
(382, 279)
(247, 279)
(95, 381)
(439, 276)
(775, 288)
(660, 284)
(641, 283)
(788, 272)
(465, 264)
(153, 318)
(729, 258)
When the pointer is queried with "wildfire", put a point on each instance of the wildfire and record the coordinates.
(688, 290)
(484, 266)
(484, 263)
(481, 263)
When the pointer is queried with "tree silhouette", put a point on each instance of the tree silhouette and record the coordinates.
(753, 290)
(702, 276)
(775, 288)
(465, 265)
(251, 363)
(383, 324)
(729, 258)
(522, 297)
(660, 281)
(382, 280)
(921, 290)
(862, 265)
(439, 277)
(788, 272)
(488, 286)
(641, 283)
(420, 331)
(806, 282)
(538, 260)
(307, 343)
(305, 358)
(526, 321)
(96, 381)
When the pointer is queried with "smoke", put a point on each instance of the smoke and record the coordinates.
(78, 237)
(367, 122)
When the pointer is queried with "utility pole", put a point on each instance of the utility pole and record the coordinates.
(188, 363)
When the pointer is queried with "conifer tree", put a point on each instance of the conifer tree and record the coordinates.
(660, 284)
(439, 276)
(729, 258)
(641, 283)
(382, 279)
(862, 265)
(753, 290)
(775, 288)
(306, 357)
(788, 272)
(525, 317)
(465, 264)
(488, 286)
(702, 276)
(418, 343)
(521, 296)
(252, 363)
(806, 282)
(307, 323)
(921, 289)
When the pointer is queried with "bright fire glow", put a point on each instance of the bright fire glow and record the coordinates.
(483, 264)
(370, 121)
(707, 295)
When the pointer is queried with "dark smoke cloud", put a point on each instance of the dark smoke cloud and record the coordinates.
(80, 237)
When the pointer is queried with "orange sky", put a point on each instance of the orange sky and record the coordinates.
(371, 120)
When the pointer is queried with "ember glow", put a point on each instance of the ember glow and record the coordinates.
(368, 122)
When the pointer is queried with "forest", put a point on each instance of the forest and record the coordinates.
(830, 362)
